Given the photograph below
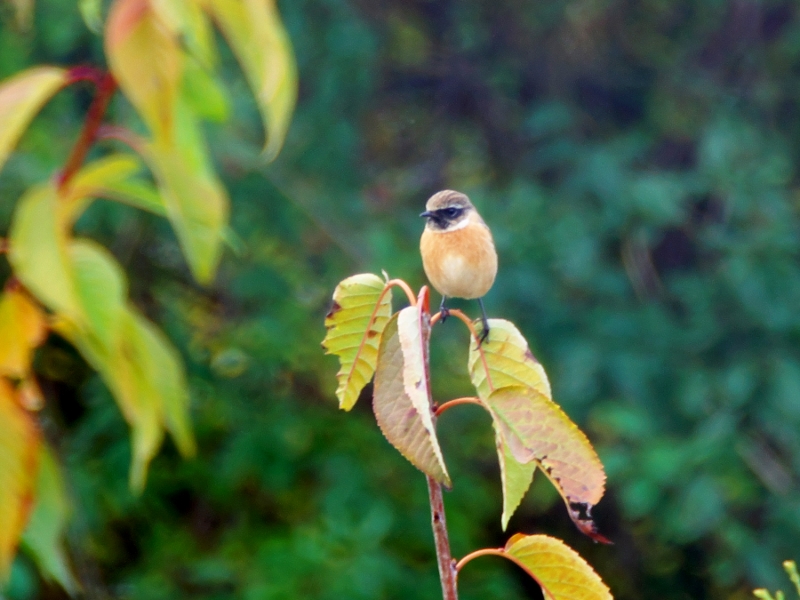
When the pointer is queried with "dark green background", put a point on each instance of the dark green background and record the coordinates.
(636, 162)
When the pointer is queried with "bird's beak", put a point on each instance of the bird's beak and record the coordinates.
(427, 214)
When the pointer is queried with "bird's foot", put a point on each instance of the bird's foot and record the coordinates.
(484, 337)
(445, 312)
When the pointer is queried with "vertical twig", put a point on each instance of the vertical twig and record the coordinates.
(94, 117)
(447, 566)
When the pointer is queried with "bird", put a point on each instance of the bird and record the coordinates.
(458, 253)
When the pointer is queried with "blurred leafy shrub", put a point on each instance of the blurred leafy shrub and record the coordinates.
(636, 162)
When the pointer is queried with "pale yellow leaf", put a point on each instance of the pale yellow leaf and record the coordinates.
(355, 323)
(22, 328)
(21, 97)
(257, 36)
(19, 452)
(401, 398)
(561, 571)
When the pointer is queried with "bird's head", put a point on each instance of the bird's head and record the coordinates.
(448, 210)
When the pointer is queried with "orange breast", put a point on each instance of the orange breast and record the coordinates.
(460, 263)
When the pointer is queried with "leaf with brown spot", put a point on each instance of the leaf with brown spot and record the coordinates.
(509, 361)
(401, 400)
(19, 451)
(557, 568)
(536, 429)
(357, 317)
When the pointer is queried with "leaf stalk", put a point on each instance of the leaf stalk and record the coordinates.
(106, 86)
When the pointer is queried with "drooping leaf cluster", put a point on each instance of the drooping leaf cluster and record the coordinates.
(163, 57)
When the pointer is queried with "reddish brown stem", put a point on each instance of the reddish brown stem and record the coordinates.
(447, 566)
(94, 117)
(458, 401)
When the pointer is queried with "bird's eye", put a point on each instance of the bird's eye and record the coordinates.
(452, 212)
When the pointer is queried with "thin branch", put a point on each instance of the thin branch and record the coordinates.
(482, 552)
(458, 401)
(412, 299)
(94, 117)
(447, 566)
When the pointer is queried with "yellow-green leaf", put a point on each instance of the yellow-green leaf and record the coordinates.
(355, 323)
(164, 377)
(19, 451)
(102, 290)
(22, 328)
(536, 429)
(45, 531)
(100, 178)
(111, 177)
(516, 478)
(557, 568)
(21, 97)
(257, 36)
(186, 20)
(38, 251)
(91, 14)
(401, 399)
(509, 362)
(196, 201)
(146, 60)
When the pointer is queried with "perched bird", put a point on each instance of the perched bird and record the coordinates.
(457, 250)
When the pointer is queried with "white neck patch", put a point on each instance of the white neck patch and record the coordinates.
(460, 225)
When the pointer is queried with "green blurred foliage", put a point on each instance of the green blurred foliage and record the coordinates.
(636, 162)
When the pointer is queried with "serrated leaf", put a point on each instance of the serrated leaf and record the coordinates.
(401, 399)
(509, 362)
(21, 97)
(536, 429)
(38, 251)
(146, 60)
(19, 451)
(557, 568)
(516, 478)
(44, 533)
(258, 38)
(350, 335)
(22, 328)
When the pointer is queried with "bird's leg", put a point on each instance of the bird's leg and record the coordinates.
(485, 321)
(444, 310)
